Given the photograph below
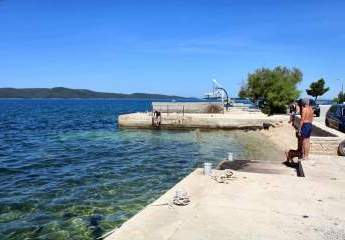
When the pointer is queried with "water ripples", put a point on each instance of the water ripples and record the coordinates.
(67, 172)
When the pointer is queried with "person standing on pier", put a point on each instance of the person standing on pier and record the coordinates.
(293, 112)
(305, 129)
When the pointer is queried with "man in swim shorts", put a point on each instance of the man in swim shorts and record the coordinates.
(307, 116)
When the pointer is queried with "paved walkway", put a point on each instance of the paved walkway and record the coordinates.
(252, 206)
(323, 111)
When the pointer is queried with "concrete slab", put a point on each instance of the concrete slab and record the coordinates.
(201, 120)
(251, 206)
(325, 168)
(254, 166)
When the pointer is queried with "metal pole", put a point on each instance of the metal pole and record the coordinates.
(342, 85)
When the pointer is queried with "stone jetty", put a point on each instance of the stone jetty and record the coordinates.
(231, 119)
(250, 206)
(262, 200)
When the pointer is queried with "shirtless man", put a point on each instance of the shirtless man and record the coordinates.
(307, 116)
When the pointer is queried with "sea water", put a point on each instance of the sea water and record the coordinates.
(68, 172)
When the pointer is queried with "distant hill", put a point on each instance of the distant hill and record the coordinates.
(61, 92)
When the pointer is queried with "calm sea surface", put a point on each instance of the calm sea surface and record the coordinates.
(68, 172)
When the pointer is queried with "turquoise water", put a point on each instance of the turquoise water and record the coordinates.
(68, 172)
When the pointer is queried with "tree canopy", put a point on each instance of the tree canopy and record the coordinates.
(340, 98)
(317, 88)
(243, 93)
(275, 87)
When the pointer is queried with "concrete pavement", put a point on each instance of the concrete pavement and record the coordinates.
(323, 111)
(252, 206)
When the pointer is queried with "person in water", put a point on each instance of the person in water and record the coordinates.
(305, 129)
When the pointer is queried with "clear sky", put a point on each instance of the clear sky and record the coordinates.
(171, 47)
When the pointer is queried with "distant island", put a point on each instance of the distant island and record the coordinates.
(62, 92)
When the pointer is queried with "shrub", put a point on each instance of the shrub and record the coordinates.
(214, 108)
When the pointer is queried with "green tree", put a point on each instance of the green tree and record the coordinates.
(340, 98)
(275, 87)
(317, 88)
(243, 93)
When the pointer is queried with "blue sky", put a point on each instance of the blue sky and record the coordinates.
(171, 47)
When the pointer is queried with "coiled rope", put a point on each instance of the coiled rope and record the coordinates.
(225, 177)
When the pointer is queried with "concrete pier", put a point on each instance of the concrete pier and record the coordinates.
(250, 206)
(231, 120)
(264, 200)
(210, 115)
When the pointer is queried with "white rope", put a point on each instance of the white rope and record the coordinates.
(181, 198)
(170, 205)
(225, 177)
(108, 233)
